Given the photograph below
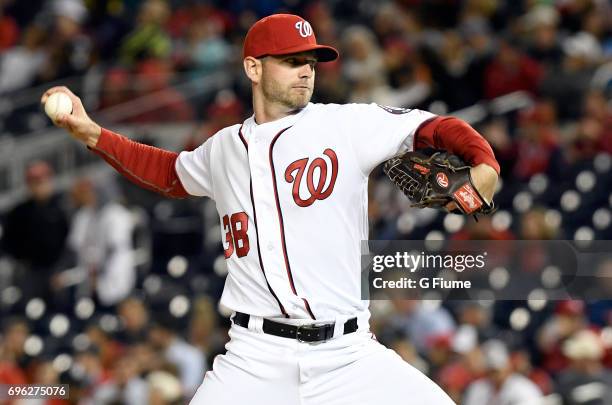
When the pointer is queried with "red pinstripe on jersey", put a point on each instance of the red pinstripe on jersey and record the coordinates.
(282, 308)
(282, 226)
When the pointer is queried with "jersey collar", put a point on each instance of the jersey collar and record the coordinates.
(250, 124)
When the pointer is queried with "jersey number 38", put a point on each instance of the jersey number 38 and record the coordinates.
(236, 237)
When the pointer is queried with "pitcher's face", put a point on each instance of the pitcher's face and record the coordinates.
(289, 79)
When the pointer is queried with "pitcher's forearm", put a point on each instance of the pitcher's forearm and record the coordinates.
(147, 166)
(459, 138)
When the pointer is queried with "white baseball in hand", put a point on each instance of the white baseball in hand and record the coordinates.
(57, 104)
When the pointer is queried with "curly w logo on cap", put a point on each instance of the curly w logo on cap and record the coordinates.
(304, 28)
(283, 34)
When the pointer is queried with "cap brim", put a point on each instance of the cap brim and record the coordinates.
(324, 53)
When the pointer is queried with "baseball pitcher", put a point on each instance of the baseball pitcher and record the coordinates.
(290, 186)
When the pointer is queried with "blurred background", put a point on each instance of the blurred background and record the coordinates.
(114, 290)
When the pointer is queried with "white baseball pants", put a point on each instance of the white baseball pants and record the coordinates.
(354, 369)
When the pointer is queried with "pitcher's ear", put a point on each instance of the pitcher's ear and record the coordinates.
(253, 68)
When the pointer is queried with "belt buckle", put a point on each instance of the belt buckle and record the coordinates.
(314, 326)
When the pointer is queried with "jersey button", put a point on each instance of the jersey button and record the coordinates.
(270, 246)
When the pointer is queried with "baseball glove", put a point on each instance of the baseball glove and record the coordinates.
(434, 178)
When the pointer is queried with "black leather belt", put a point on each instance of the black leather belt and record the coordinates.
(309, 333)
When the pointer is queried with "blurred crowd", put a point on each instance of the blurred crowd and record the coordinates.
(114, 290)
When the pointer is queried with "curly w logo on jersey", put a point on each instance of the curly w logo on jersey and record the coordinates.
(318, 191)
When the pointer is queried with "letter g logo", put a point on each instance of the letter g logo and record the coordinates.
(304, 28)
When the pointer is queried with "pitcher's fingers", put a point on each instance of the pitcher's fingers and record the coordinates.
(61, 122)
(52, 90)
(67, 120)
(76, 102)
(46, 94)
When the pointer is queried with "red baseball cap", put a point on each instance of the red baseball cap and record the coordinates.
(281, 34)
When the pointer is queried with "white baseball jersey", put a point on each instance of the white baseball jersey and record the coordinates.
(292, 198)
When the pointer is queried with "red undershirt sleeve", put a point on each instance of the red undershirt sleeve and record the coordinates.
(149, 167)
(458, 137)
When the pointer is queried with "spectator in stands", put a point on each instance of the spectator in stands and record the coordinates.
(600, 309)
(501, 385)
(408, 81)
(594, 132)
(9, 30)
(540, 25)
(537, 147)
(135, 316)
(20, 65)
(569, 81)
(408, 352)
(189, 360)
(363, 63)
(203, 326)
(226, 109)
(568, 319)
(164, 389)
(596, 22)
(586, 381)
(574, 12)
(153, 77)
(523, 364)
(589, 140)
(482, 230)
(391, 22)
(44, 373)
(596, 106)
(148, 39)
(148, 358)
(14, 334)
(125, 385)
(468, 354)
(511, 70)
(70, 49)
(457, 71)
(89, 369)
(421, 322)
(206, 48)
(497, 132)
(117, 88)
(454, 379)
(101, 237)
(479, 316)
(35, 233)
(439, 353)
(535, 226)
(464, 364)
(109, 349)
